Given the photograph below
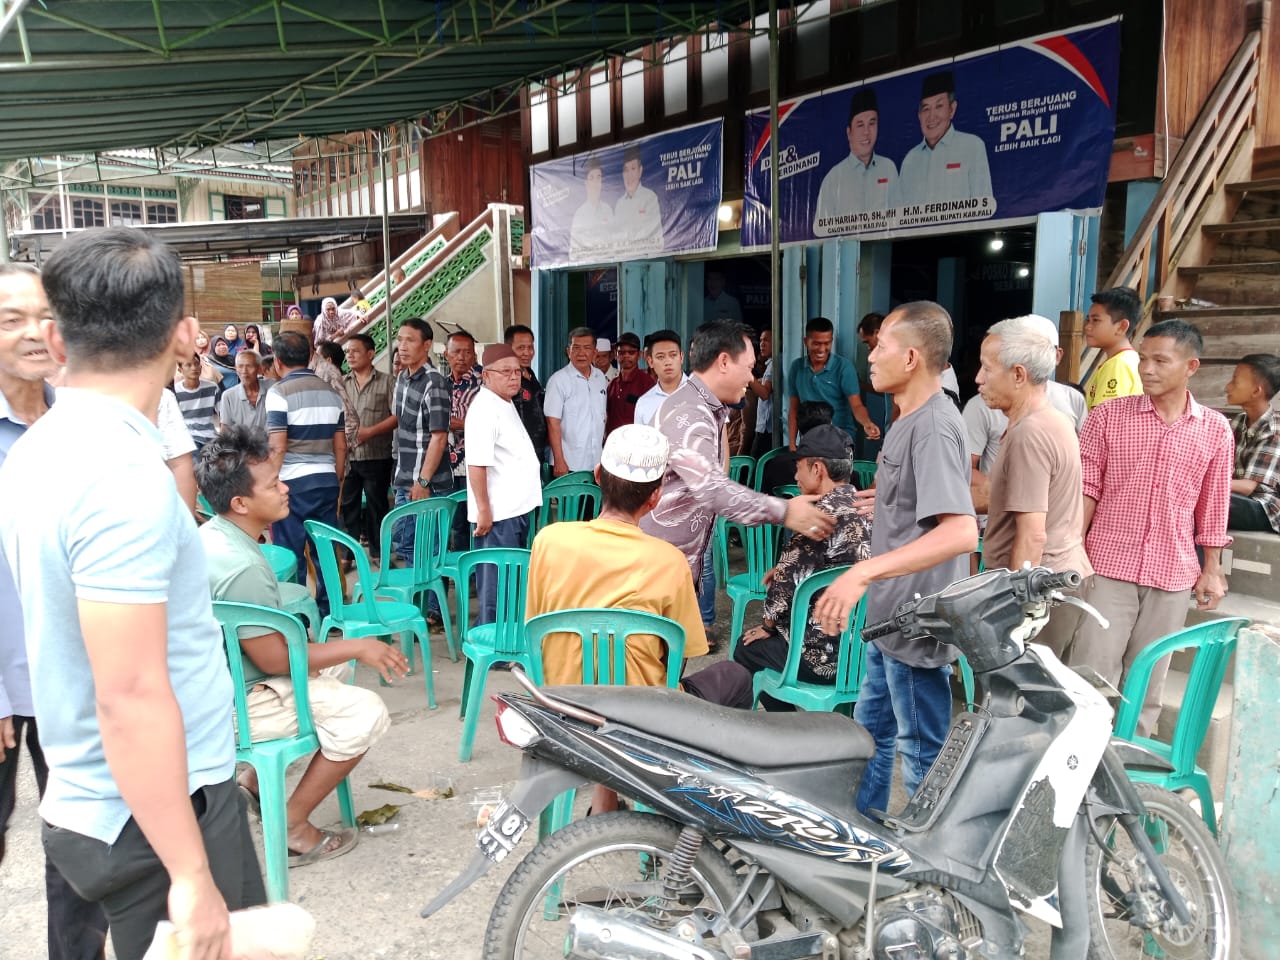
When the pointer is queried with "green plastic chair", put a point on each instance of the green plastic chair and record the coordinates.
(449, 566)
(490, 643)
(1214, 641)
(284, 563)
(295, 598)
(760, 548)
(572, 501)
(432, 519)
(785, 684)
(366, 615)
(271, 758)
(203, 507)
(758, 480)
(573, 476)
(742, 469)
(603, 632)
(864, 473)
(787, 491)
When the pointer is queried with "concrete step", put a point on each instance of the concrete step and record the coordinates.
(1253, 563)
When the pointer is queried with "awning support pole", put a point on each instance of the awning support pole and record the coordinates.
(775, 252)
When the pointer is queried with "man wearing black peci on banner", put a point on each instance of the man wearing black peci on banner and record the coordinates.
(863, 180)
(946, 164)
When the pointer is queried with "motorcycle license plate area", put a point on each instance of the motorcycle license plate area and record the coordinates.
(502, 833)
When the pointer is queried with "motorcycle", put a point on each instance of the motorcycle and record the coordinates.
(752, 847)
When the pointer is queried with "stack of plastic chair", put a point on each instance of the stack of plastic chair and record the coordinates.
(366, 615)
(1213, 641)
(785, 684)
(271, 758)
(760, 548)
(489, 643)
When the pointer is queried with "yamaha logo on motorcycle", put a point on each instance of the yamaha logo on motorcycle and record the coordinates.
(750, 844)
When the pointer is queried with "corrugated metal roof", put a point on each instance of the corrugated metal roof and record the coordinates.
(85, 75)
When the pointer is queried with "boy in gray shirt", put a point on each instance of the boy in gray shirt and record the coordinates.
(923, 532)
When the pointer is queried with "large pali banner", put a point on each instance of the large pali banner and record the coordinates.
(650, 197)
(996, 136)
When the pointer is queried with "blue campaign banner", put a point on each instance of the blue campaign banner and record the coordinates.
(992, 137)
(650, 197)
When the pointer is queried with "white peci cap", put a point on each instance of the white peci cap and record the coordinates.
(636, 452)
(602, 343)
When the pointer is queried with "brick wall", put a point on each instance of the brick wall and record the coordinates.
(222, 293)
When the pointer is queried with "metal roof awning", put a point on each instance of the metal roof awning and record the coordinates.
(178, 77)
(243, 238)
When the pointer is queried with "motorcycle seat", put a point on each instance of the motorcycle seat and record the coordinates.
(750, 737)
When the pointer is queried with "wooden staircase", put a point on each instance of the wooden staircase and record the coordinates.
(1242, 281)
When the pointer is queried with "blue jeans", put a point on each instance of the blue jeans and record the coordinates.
(909, 707)
(313, 497)
(512, 532)
(402, 532)
(707, 590)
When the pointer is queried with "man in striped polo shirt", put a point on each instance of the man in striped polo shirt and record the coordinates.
(305, 428)
(198, 401)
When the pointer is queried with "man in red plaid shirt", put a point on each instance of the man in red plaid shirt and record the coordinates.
(1157, 484)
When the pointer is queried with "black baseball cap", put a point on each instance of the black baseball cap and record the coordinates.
(826, 442)
(628, 339)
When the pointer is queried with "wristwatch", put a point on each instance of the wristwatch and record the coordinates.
(424, 484)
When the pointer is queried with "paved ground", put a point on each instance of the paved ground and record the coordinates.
(366, 903)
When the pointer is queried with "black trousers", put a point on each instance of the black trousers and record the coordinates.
(770, 653)
(725, 683)
(372, 479)
(77, 928)
(1247, 514)
(131, 883)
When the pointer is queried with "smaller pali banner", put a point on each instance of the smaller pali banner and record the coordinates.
(650, 197)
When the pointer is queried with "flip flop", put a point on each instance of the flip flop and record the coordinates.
(333, 843)
(251, 801)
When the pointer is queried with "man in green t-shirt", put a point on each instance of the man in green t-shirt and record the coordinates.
(242, 484)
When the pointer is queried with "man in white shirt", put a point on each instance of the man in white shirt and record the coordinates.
(575, 407)
(946, 164)
(501, 468)
(637, 216)
(663, 357)
(863, 180)
(603, 360)
(589, 231)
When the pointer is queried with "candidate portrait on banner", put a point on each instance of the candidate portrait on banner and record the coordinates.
(863, 181)
(947, 164)
(638, 217)
(589, 231)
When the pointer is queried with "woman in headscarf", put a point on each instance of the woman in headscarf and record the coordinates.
(232, 334)
(253, 340)
(225, 362)
(331, 325)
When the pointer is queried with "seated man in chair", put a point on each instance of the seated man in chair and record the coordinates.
(238, 477)
(824, 465)
(611, 562)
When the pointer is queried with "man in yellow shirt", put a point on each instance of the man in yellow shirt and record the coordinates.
(1112, 318)
(611, 562)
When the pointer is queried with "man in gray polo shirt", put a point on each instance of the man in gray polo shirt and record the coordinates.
(129, 679)
(923, 532)
(245, 404)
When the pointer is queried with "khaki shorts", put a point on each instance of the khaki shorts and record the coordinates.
(349, 720)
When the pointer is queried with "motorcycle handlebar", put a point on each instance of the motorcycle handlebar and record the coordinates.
(1042, 581)
(882, 629)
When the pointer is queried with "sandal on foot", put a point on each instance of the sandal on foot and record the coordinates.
(333, 843)
(251, 801)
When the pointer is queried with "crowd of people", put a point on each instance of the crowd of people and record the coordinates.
(112, 664)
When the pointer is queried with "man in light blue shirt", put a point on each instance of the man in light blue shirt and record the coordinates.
(863, 181)
(77, 929)
(128, 674)
(946, 165)
(824, 375)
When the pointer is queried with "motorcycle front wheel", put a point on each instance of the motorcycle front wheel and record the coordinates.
(1199, 873)
(614, 861)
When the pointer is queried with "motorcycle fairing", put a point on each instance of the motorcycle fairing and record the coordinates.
(1047, 807)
